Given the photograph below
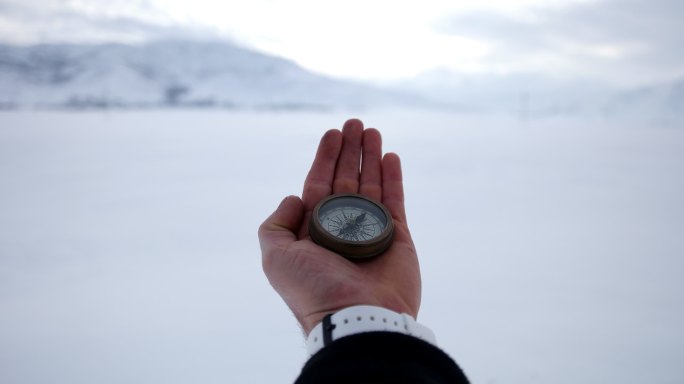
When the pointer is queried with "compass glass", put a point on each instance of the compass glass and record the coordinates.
(352, 219)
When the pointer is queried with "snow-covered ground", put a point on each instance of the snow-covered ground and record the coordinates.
(552, 251)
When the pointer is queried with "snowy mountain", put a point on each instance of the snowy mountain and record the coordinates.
(171, 73)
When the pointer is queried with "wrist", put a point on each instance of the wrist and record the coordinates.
(361, 319)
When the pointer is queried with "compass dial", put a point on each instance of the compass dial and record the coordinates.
(352, 225)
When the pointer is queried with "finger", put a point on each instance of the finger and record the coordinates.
(279, 230)
(371, 165)
(393, 186)
(318, 183)
(347, 172)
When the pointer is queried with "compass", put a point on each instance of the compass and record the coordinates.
(352, 225)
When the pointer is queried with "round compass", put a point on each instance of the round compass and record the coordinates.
(352, 225)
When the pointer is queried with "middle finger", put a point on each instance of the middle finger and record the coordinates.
(349, 162)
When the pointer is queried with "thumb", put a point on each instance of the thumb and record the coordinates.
(279, 229)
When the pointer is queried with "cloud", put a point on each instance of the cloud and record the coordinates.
(46, 21)
(627, 40)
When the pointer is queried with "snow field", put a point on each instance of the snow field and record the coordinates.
(551, 251)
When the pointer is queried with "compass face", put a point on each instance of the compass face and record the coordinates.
(352, 225)
(352, 219)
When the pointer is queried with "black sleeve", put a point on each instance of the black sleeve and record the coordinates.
(381, 357)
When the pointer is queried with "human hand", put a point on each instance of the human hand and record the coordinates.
(314, 281)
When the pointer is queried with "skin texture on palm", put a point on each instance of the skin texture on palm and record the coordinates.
(314, 281)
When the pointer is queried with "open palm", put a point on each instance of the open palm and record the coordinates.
(314, 281)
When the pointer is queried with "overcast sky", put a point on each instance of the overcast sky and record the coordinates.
(625, 41)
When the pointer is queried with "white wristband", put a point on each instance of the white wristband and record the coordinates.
(364, 318)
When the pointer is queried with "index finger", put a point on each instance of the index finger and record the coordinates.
(319, 181)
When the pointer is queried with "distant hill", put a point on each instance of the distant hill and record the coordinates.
(171, 74)
(223, 75)
(531, 95)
